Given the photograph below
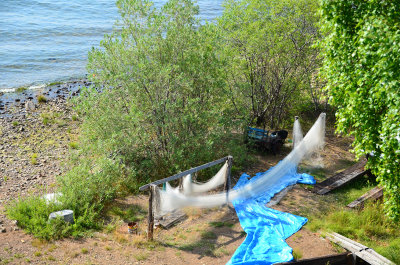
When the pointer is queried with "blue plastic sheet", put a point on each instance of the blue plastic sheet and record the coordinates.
(266, 228)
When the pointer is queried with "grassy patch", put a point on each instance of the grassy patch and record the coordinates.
(73, 145)
(84, 251)
(208, 235)
(41, 99)
(221, 224)
(370, 227)
(34, 159)
(141, 256)
(297, 254)
(21, 89)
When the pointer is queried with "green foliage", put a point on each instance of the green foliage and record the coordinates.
(269, 47)
(32, 214)
(370, 227)
(361, 58)
(41, 99)
(163, 105)
(34, 159)
(297, 254)
(21, 89)
(73, 145)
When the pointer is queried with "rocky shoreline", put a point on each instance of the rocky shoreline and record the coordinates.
(35, 140)
(14, 103)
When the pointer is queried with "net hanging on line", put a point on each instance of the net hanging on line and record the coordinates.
(171, 198)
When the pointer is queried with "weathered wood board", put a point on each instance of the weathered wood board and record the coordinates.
(341, 178)
(361, 251)
(279, 196)
(170, 219)
(338, 259)
(373, 194)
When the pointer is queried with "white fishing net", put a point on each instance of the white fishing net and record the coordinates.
(171, 198)
(190, 187)
(297, 133)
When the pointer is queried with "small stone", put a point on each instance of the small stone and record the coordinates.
(3, 229)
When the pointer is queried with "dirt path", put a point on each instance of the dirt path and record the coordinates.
(206, 237)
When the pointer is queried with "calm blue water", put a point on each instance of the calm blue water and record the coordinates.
(42, 41)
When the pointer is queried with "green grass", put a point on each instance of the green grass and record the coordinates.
(354, 189)
(297, 254)
(21, 89)
(370, 227)
(41, 99)
(55, 83)
(34, 159)
(221, 224)
(73, 145)
(208, 235)
(141, 256)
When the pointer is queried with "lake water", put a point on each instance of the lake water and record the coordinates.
(43, 41)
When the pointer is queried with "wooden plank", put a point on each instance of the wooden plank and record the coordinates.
(361, 251)
(170, 219)
(184, 173)
(279, 196)
(341, 178)
(338, 259)
(373, 194)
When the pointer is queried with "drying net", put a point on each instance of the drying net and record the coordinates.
(171, 199)
(297, 133)
(190, 187)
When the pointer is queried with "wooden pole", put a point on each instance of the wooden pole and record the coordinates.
(150, 220)
(228, 178)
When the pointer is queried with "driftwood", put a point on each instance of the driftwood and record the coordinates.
(361, 251)
(341, 178)
(374, 194)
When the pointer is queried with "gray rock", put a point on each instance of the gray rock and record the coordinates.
(68, 215)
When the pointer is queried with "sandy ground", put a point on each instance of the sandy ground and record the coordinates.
(208, 236)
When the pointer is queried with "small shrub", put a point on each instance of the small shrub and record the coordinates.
(84, 251)
(37, 254)
(15, 123)
(74, 117)
(41, 99)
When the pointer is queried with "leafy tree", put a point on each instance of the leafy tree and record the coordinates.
(163, 102)
(362, 57)
(269, 45)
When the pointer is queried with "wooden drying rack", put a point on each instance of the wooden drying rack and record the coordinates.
(151, 186)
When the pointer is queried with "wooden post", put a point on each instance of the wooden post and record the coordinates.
(228, 178)
(150, 220)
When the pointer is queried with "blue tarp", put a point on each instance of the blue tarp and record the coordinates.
(266, 228)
